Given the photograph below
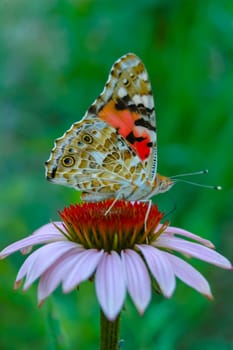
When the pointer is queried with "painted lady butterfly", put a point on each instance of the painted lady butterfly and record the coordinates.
(112, 152)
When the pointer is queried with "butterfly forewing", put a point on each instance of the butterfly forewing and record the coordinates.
(127, 104)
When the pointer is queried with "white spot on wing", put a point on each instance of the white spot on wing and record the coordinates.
(137, 99)
(143, 76)
(146, 100)
(122, 92)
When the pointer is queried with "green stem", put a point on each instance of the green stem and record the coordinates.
(109, 332)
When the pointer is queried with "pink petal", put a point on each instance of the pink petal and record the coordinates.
(45, 234)
(160, 268)
(181, 232)
(40, 260)
(110, 284)
(189, 275)
(57, 272)
(137, 279)
(82, 268)
(193, 249)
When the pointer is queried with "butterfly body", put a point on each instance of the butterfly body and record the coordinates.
(112, 151)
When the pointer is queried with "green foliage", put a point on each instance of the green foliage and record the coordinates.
(55, 56)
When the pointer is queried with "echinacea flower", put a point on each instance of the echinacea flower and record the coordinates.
(120, 251)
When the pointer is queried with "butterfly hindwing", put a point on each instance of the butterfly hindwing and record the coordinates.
(93, 158)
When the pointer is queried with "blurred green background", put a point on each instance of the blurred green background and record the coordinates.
(55, 56)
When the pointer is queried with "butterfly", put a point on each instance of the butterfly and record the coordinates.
(112, 152)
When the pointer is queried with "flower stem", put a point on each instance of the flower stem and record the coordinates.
(109, 332)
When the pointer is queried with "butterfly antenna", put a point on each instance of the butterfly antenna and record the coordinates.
(218, 188)
(201, 172)
(174, 178)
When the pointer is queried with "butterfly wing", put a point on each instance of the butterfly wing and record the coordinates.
(127, 104)
(94, 159)
(111, 152)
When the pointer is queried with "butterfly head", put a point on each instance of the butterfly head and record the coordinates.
(163, 183)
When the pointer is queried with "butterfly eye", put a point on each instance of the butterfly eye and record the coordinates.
(87, 138)
(68, 161)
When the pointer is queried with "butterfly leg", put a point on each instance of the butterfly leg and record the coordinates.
(113, 203)
(149, 201)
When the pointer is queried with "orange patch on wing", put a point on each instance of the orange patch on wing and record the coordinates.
(124, 122)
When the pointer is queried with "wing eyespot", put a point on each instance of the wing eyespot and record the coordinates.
(87, 138)
(68, 161)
